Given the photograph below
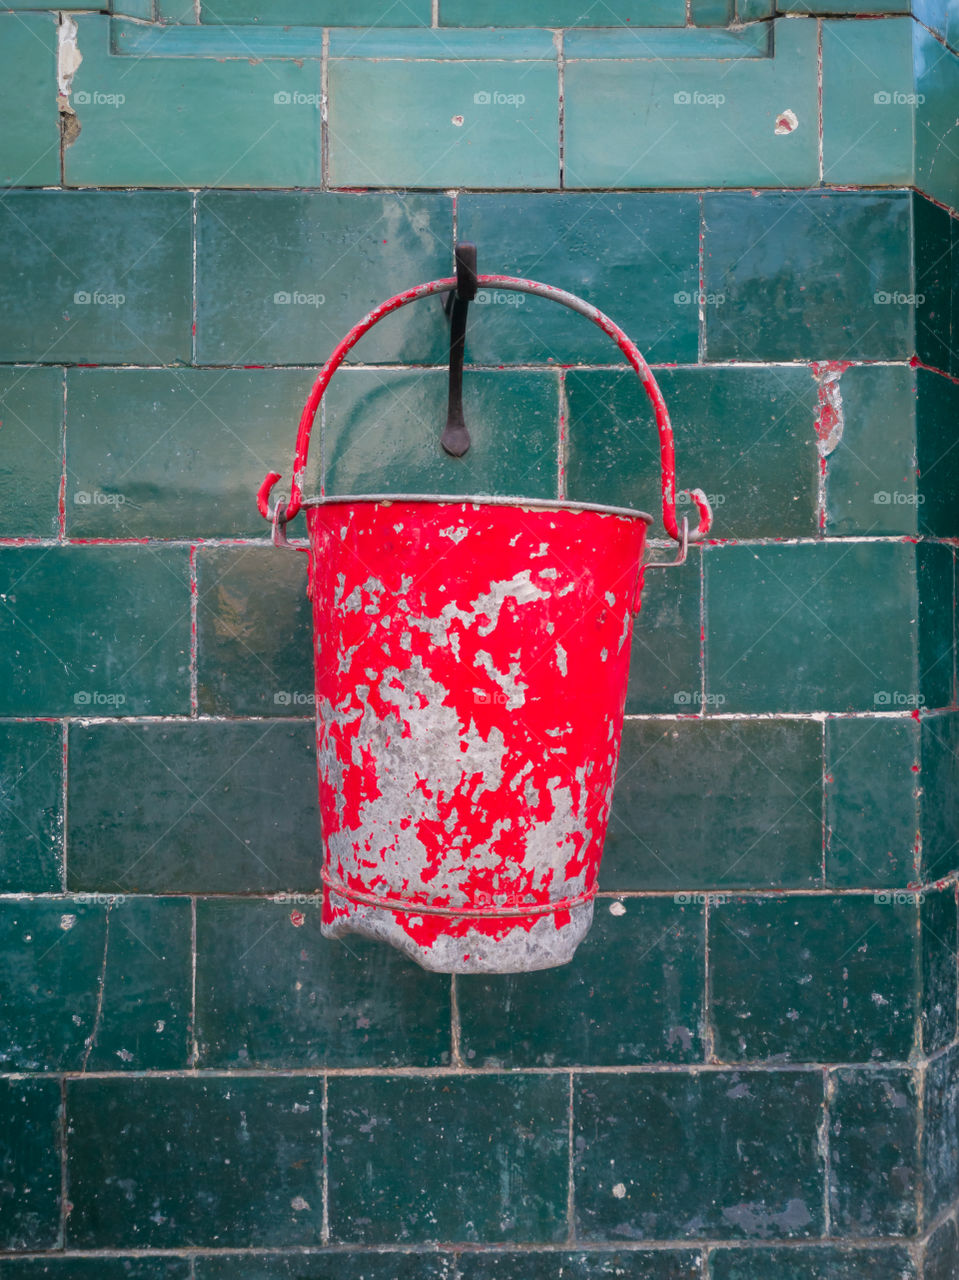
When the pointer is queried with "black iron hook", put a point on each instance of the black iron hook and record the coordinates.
(456, 437)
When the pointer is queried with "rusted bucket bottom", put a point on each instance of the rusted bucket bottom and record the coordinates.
(517, 950)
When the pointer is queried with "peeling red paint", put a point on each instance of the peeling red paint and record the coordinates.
(296, 919)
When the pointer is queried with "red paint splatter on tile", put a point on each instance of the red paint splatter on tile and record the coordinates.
(297, 919)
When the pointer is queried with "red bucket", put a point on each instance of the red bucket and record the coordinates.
(472, 657)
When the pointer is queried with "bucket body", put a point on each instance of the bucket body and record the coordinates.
(471, 666)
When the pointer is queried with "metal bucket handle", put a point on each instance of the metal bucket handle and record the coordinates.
(513, 284)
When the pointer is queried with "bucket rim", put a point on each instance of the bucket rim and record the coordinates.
(479, 500)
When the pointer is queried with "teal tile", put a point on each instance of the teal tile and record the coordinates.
(665, 667)
(626, 43)
(31, 418)
(933, 251)
(30, 145)
(31, 787)
(496, 44)
(942, 16)
(940, 795)
(872, 789)
(850, 7)
(712, 13)
(158, 122)
(938, 949)
(326, 1265)
(937, 83)
(566, 13)
(645, 958)
(754, 10)
(744, 436)
(813, 979)
(30, 1163)
(381, 434)
(94, 631)
(941, 1254)
(631, 255)
(462, 124)
(873, 1152)
(716, 1154)
(824, 259)
(272, 992)
(631, 1264)
(940, 1134)
(814, 1262)
(95, 276)
(167, 453)
(938, 454)
(466, 1158)
(187, 39)
(813, 627)
(203, 807)
(96, 984)
(935, 582)
(871, 482)
(77, 1267)
(692, 124)
(411, 13)
(868, 102)
(253, 1147)
(254, 632)
(716, 804)
(282, 276)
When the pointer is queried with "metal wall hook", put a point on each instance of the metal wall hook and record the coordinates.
(456, 437)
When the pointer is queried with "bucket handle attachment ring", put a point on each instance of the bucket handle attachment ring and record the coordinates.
(515, 285)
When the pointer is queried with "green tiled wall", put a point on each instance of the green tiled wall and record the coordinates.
(750, 1068)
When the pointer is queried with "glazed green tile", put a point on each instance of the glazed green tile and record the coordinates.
(873, 1152)
(566, 13)
(716, 804)
(95, 276)
(631, 1264)
(462, 124)
(177, 453)
(30, 1163)
(271, 992)
(942, 16)
(178, 11)
(690, 123)
(745, 436)
(933, 234)
(939, 803)
(210, 806)
(253, 1148)
(868, 102)
(941, 1254)
(938, 948)
(938, 454)
(871, 484)
(630, 255)
(712, 13)
(814, 1262)
(718, 1154)
(381, 434)
(754, 10)
(31, 818)
(872, 782)
(94, 631)
(416, 1160)
(327, 1265)
(627, 43)
(644, 958)
(429, 43)
(159, 122)
(814, 979)
(937, 84)
(30, 144)
(800, 274)
(940, 1134)
(411, 13)
(665, 670)
(813, 627)
(851, 7)
(77, 1267)
(282, 276)
(254, 632)
(67, 1010)
(935, 566)
(31, 417)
